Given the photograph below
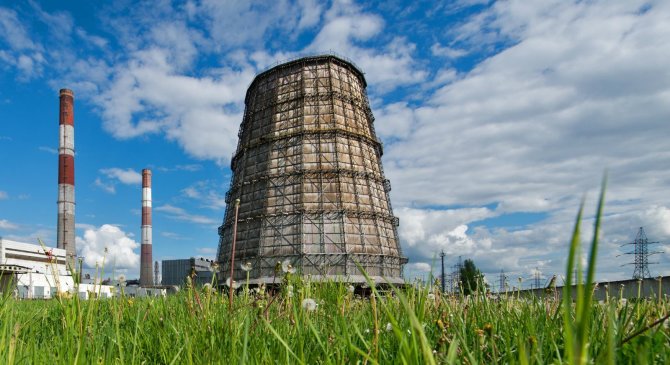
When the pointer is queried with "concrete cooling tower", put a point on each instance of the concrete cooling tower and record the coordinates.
(308, 174)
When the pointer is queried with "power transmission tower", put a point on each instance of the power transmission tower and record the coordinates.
(457, 273)
(442, 277)
(537, 276)
(641, 255)
(502, 280)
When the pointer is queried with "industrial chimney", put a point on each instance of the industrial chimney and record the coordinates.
(65, 226)
(146, 278)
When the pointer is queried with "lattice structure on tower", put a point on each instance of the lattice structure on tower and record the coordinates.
(502, 281)
(641, 255)
(308, 173)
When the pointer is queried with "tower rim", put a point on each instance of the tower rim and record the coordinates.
(307, 58)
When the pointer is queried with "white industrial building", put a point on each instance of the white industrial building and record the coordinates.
(32, 271)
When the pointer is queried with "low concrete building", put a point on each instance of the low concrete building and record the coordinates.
(32, 271)
(625, 289)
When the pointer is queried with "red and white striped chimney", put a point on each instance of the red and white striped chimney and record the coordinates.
(146, 278)
(65, 227)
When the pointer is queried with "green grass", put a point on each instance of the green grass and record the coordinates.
(411, 326)
(182, 329)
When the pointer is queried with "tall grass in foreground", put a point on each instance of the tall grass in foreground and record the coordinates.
(306, 322)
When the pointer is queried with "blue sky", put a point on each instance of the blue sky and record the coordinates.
(497, 118)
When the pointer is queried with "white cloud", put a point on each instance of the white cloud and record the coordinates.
(208, 193)
(533, 127)
(448, 52)
(127, 176)
(107, 187)
(209, 251)
(181, 214)
(172, 235)
(3, 195)
(189, 168)
(386, 69)
(118, 245)
(20, 51)
(5, 224)
(50, 150)
(418, 266)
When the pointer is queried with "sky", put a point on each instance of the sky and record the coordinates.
(497, 119)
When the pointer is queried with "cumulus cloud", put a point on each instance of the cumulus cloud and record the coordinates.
(110, 244)
(19, 50)
(533, 127)
(127, 176)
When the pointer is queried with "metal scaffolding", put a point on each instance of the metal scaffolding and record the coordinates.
(308, 173)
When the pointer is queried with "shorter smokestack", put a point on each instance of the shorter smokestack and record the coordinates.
(146, 278)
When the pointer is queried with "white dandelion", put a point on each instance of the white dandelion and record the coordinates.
(309, 304)
(389, 327)
(246, 267)
(235, 283)
(350, 289)
(287, 267)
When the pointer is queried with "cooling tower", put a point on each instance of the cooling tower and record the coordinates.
(308, 173)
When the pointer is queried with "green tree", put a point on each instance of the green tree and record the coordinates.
(471, 277)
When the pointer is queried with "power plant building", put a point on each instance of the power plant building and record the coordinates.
(30, 271)
(308, 173)
(174, 272)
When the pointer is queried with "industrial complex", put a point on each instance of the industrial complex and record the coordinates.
(34, 271)
(308, 191)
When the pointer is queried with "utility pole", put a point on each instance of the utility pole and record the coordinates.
(442, 277)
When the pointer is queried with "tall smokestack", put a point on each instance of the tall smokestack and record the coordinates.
(65, 226)
(146, 278)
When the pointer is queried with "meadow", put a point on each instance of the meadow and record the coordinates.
(414, 326)
(328, 323)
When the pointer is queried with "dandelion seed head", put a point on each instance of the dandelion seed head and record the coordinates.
(350, 289)
(246, 267)
(287, 267)
(235, 284)
(309, 304)
(431, 296)
(389, 327)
